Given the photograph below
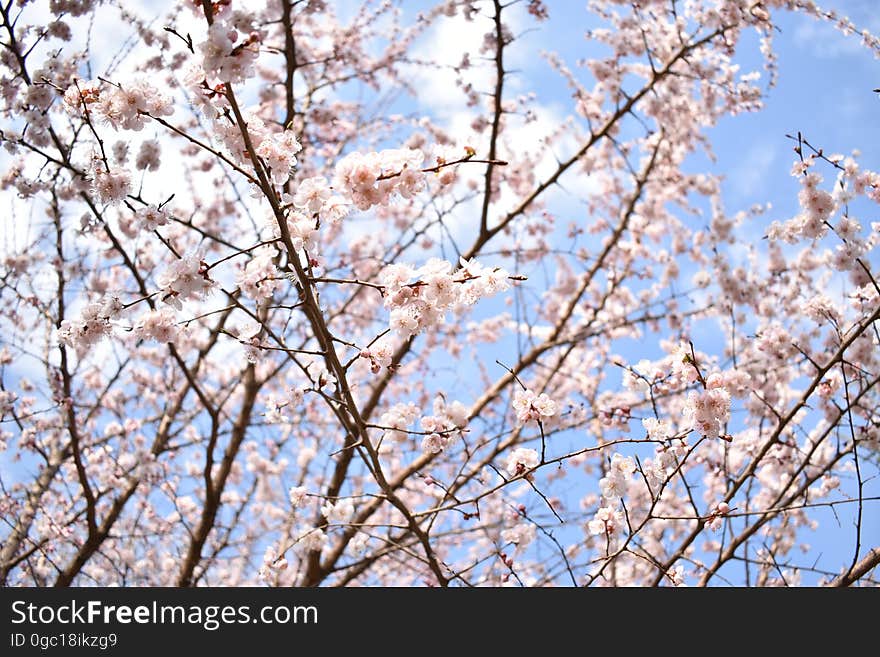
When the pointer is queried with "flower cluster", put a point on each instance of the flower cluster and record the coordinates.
(372, 178)
(186, 278)
(147, 158)
(663, 465)
(248, 335)
(530, 406)
(775, 342)
(380, 354)
(683, 365)
(110, 186)
(521, 534)
(92, 325)
(676, 575)
(296, 495)
(607, 522)
(225, 57)
(275, 404)
(397, 418)
(447, 418)
(679, 369)
(150, 217)
(339, 512)
(7, 401)
(614, 483)
(311, 194)
(303, 230)
(273, 563)
(259, 279)
(708, 410)
(122, 107)
(657, 429)
(315, 197)
(521, 461)
(818, 206)
(159, 325)
(278, 151)
(419, 298)
(714, 521)
(276, 148)
(310, 540)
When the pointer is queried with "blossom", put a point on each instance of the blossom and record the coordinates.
(664, 463)
(676, 576)
(259, 279)
(479, 281)
(657, 429)
(774, 341)
(120, 151)
(380, 354)
(522, 533)
(624, 465)
(370, 179)
(150, 217)
(709, 410)
(273, 562)
(533, 407)
(311, 540)
(311, 194)
(334, 209)
(358, 544)
(607, 521)
(278, 151)
(441, 427)
(433, 443)
(421, 303)
(227, 58)
(522, 460)
(159, 325)
(737, 382)
(92, 325)
(339, 512)
(818, 205)
(303, 231)
(683, 364)
(110, 186)
(248, 334)
(123, 107)
(186, 278)
(7, 401)
(148, 156)
(275, 410)
(614, 483)
(455, 413)
(714, 521)
(398, 418)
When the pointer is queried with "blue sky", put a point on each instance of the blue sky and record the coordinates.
(825, 91)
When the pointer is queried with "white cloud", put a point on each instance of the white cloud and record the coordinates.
(438, 95)
(824, 41)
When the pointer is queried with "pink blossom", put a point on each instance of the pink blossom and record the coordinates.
(530, 406)
(521, 461)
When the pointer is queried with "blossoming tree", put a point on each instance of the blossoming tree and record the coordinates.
(260, 324)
